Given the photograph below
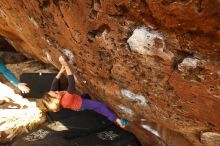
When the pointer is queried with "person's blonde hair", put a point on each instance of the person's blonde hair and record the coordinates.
(51, 103)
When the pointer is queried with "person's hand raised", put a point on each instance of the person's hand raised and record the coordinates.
(23, 88)
(63, 61)
(62, 69)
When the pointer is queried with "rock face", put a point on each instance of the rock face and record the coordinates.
(157, 60)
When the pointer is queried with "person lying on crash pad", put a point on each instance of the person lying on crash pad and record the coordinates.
(54, 99)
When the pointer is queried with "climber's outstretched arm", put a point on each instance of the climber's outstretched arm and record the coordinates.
(71, 81)
(54, 85)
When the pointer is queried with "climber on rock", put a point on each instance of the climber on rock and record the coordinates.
(10, 76)
(54, 99)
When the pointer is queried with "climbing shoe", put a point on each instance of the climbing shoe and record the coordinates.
(124, 122)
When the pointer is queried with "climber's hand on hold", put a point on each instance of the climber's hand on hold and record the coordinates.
(63, 61)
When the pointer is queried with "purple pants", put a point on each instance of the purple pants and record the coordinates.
(99, 108)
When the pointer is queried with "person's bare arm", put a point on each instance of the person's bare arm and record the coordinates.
(62, 69)
(66, 65)
(54, 85)
(71, 81)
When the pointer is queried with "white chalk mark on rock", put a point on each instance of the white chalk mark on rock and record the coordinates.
(69, 55)
(150, 129)
(125, 109)
(150, 43)
(188, 63)
(33, 21)
(134, 97)
(47, 54)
